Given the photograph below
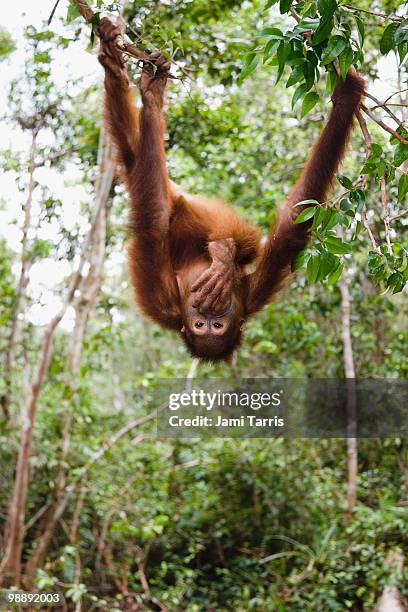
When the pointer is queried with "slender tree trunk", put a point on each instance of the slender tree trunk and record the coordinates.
(10, 567)
(349, 371)
(22, 280)
(88, 294)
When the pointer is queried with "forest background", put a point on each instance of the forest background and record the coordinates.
(91, 503)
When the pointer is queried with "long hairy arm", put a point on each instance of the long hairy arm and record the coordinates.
(139, 139)
(150, 262)
(121, 115)
(286, 238)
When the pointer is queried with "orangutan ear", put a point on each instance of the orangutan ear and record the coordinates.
(242, 325)
(183, 329)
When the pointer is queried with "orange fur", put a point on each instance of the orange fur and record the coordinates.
(171, 229)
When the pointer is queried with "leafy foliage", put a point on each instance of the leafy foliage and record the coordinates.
(248, 524)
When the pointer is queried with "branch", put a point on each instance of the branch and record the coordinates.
(384, 106)
(123, 44)
(368, 142)
(399, 216)
(386, 216)
(53, 12)
(375, 13)
(366, 134)
(384, 125)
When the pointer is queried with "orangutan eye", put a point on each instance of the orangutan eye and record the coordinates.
(199, 324)
(218, 325)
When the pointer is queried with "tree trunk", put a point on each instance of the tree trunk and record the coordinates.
(10, 567)
(22, 281)
(88, 290)
(350, 375)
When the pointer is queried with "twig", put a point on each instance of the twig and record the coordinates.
(369, 232)
(384, 125)
(295, 15)
(395, 94)
(395, 217)
(386, 216)
(368, 142)
(53, 12)
(376, 14)
(384, 106)
(366, 134)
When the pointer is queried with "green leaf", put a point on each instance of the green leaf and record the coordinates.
(306, 214)
(309, 73)
(401, 35)
(249, 67)
(309, 9)
(306, 202)
(326, 219)
(387, 41)
(376, 150)
(358, 230)
(358, 197)
(312, 269)
(282, 53)
(335, 46)
(296, 76)
(345, 181)
(299, 93)
(96, 17)
(300, 260)
(402, 51)
(361, 29)
(327, 8)
(331, 80)
(402, 187)
(270, 3)
(271, 33)
(309, 101)
(345, 61)
(395, 282)
(328, 264)
(270, 49)
(401, 154)
(335, 275)
(72, 13)
(402, 131)
(337, 246)
(319, 216)
(284, 6)
(323, 31)
(333, 221)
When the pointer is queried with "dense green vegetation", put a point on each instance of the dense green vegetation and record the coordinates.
(113, 516)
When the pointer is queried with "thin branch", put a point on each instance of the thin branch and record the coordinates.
(384, 125)
(366, 134)
(374, 13)
(384, 107)
(53, 12)
(369, 232)
(395, 94)
(385, 216)
(295, 15)
(368, 142)
(395, 217)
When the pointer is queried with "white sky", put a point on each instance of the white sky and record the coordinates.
(72, 62)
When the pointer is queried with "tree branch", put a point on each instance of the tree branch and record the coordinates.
(124, 43)
(384, 125)
(374, 13)
(384, 106)
(385, 215)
